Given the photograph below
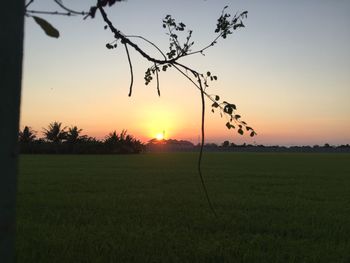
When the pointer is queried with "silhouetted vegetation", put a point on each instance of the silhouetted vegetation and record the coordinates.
(27, 135)
(58, 140)
(170, 145)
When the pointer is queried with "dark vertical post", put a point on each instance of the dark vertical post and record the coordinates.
(11, 52)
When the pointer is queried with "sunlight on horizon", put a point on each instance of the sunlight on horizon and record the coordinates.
(160, 136)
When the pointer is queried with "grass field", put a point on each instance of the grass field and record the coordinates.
(151, 208)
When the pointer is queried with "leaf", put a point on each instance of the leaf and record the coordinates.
(47, 27)
(228, 109)
(240, 131)
(217, 97)
(228, 125)
(215, 105)
(252, 134)
(237, 116)
(92, 11)
(208, 73)
(233, 106)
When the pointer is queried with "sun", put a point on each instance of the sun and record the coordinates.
(160, 136)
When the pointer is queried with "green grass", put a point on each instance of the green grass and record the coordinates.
(151, 208)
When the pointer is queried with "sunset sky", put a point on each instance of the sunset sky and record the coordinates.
(288, 72)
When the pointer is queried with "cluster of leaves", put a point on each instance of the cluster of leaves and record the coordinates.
(208, 77)
(149, 72)
(226, 25)
(112, 45)
(176, 49)
(234, 120)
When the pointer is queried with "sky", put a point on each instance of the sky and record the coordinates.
(288, 72)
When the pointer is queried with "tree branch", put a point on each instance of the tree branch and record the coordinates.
(48, 13)
(125, 40)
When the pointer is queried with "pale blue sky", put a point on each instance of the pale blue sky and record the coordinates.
(287, 71)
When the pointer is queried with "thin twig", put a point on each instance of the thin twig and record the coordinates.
(195, 73)
(206, 47)
(131, 71)
(199, 166)
(49, 13)
(158, 89)
(176, 65)
(29, 3)
(125, 40)
(145, 39)
(68, 9)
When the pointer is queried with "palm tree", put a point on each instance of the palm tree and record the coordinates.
(73, 135)
(122, 143)
(27, 135)
(55, 133)
(112, 138)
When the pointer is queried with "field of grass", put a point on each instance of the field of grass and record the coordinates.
(151, 208)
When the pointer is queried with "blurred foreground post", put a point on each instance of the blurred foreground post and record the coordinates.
(11, 49)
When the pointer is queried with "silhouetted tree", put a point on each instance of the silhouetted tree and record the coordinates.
(122, 143)
(112, 138)
(73, 135)
(27, 135)
(55, 133)
(225, 144)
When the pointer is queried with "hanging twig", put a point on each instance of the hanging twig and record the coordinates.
(199, 166)
(157, 78)
(131, 71)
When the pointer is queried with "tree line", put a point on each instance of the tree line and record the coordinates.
(59, 139)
